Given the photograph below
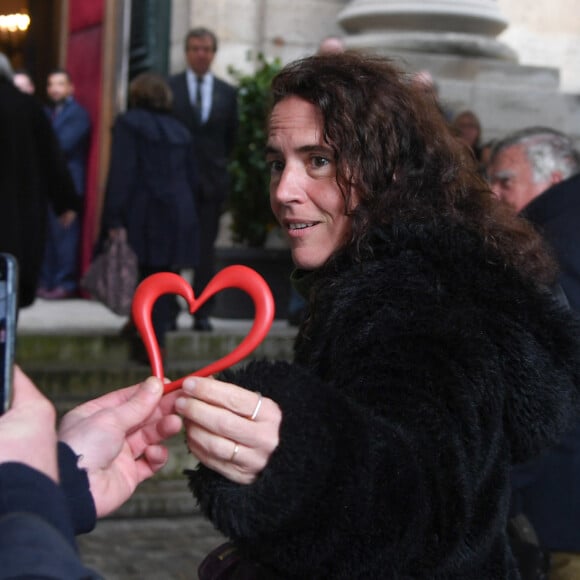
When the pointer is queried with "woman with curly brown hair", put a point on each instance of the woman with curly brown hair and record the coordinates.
(434, 355)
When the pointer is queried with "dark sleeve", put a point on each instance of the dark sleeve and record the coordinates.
(36, 531)
(26, 490)
(59, 185)
(336, 467)
(75, 485)
(30, 547)
(192, 169)
(232, 129)
(76, 132)
(122, 176)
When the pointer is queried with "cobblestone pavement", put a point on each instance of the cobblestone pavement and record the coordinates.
(149, 548)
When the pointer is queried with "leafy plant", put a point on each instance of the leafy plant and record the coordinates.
(248, 203)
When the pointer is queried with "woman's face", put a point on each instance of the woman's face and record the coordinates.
(304, 193)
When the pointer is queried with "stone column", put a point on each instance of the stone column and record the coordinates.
(456, 41)
(461, 27)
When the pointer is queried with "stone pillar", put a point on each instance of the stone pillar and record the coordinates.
(456, 41)
(462, 27)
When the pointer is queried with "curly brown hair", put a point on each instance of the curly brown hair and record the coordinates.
(393, 146)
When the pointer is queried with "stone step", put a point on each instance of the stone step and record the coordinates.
(74, 367)
(88, 348)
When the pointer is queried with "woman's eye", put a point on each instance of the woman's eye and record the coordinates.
(275, 165)
(320, 161)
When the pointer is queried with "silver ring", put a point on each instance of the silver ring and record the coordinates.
(235, 452)
(257, 409)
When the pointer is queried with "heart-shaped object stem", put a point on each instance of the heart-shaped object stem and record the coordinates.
(162, 283)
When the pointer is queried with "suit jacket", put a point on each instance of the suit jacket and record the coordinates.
(556, 213)
(213, 140)
(547, 490)
(72, 126)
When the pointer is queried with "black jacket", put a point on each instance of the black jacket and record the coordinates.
(547, 490)
(420, 377)
(556, 214)
(33, 174)
(151, 189)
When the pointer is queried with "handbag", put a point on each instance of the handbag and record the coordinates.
(112, 276)
(226, 563)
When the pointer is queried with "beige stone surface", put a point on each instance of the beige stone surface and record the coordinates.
(546, 33)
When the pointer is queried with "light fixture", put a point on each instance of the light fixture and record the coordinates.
(14, 22)
(13, 30)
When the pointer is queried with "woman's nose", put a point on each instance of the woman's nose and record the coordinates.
(289, 187)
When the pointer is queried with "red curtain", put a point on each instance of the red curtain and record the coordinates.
(85, 64)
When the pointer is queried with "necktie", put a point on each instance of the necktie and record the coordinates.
(198, 100)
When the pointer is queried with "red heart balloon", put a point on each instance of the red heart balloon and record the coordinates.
(240, 277)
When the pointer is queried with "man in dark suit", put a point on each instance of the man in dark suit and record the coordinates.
(537, 171)
(207, 105)
(71, 123)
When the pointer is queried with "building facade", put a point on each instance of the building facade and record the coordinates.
(514, 62)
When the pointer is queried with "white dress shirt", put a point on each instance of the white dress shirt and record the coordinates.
(206, 92)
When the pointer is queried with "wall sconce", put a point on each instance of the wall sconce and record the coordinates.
(13, 29)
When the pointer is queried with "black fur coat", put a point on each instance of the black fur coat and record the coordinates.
(419, 378)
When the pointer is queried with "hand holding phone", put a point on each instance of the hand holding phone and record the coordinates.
(8, 314)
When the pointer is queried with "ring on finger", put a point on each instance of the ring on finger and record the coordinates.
(257, 409)
(235, 452)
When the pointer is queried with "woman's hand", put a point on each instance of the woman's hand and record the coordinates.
(118, 437)
(229, 429)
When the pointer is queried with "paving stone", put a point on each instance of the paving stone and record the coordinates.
(149, 548)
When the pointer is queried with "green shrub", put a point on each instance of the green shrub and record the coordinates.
(249, 199)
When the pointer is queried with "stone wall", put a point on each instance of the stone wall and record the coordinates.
(277, 28)
(506, 95)
(546, 33)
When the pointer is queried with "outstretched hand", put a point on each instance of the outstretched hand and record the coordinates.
(118, 436)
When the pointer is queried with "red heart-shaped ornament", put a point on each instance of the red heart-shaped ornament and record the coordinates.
(240, 277)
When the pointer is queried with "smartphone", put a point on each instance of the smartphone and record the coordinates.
(8, 314)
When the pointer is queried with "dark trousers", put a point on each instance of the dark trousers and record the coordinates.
(60, 266)
(209, 218)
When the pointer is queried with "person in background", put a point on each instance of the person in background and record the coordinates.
(537, 171)
(485, 156)
(331, 45)
(24, 82)
(151, 193)
(53, 484)
(468, 128)
(423, 81)
(72, 126)
(208, 107)
(33, 179)
(433, 357)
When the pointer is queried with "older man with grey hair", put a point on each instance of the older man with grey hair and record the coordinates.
(526, 163)
(536, 170)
